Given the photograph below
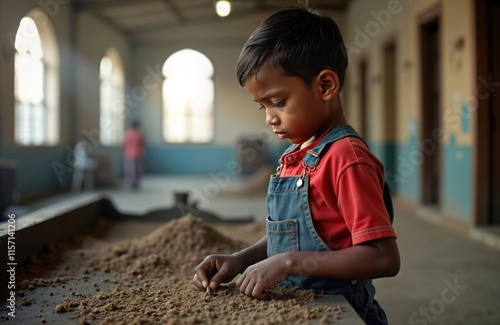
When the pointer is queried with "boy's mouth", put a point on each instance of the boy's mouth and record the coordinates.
(281, 135)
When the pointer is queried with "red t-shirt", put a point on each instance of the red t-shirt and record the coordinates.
(133, 144)
(345, 193)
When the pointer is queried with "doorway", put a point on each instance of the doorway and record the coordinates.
(431, 109)
(390, 114)
(487, 144)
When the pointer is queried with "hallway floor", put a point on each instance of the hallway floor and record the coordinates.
(445, 278)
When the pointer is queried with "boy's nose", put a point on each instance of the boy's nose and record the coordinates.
(271, 119)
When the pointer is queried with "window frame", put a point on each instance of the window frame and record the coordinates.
(117, 86)
(50, 83)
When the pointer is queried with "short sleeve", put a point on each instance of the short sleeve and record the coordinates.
(360, 200)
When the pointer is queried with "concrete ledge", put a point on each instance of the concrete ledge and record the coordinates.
(49, 225)
(61, 221)
(38, 216)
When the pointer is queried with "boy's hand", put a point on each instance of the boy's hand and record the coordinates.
(216, 269)
(260, 277)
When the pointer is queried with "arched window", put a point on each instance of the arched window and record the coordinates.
(36, 81)
(112, 104)
(188, 97)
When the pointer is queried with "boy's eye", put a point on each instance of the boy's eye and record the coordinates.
(281, 103)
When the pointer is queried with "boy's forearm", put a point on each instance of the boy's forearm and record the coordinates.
(354, 263)
(255, 253)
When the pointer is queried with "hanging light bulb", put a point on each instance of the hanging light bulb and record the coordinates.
(223, 8)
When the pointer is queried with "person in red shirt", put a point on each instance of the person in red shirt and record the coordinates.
(329, 224)
(133, 152)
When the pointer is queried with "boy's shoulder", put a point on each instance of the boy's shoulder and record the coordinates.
(349, 151)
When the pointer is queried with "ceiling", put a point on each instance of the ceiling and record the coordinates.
(140, 19)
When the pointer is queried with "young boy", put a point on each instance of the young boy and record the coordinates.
(328, 228)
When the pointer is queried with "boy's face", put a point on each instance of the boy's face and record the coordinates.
(294, 109)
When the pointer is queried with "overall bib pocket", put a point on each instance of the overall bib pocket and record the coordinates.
(282, 236)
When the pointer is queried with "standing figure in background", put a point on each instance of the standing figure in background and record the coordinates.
(83, 173)
(133, 155)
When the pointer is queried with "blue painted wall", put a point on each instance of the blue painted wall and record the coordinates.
(457, 179)
(35, 173)
(44, 170)
(387, 154)
(407, 170)
(200, 159)
(185, 160)
(403, 174)
(47, 169)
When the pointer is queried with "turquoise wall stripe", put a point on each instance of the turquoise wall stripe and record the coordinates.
(407, 170)
(35, 173)
(390, 155)
(200, 159)
(403, 175)
(387, 154)
(457, 181)
(187, 160)
(377, 149)
(42, 170)
(115, 157)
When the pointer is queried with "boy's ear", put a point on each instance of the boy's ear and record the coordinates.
(329, 84)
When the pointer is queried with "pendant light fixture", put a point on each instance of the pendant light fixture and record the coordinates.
(223, 8)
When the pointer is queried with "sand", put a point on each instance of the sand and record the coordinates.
(147, 280)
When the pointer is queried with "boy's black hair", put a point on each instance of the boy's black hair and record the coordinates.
(298, 41)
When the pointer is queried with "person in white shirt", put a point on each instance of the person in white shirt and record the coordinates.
(83, 173)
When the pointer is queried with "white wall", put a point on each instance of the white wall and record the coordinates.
(402, 25)
(93, 38)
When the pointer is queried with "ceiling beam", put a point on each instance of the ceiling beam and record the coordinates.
(96, 5)
(110, 23)
(170, 5)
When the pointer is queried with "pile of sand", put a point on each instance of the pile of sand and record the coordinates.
(175, 248)
(152, 283)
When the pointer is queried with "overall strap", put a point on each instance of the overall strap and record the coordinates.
(290, 148)
(313, 156)
(336, 134)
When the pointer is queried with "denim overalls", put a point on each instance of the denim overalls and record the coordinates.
(290, 228)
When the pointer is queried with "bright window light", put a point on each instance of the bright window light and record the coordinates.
(188, 98)
(36, 82)
(112, 101)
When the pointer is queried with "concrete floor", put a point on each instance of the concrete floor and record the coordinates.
(445, 278)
